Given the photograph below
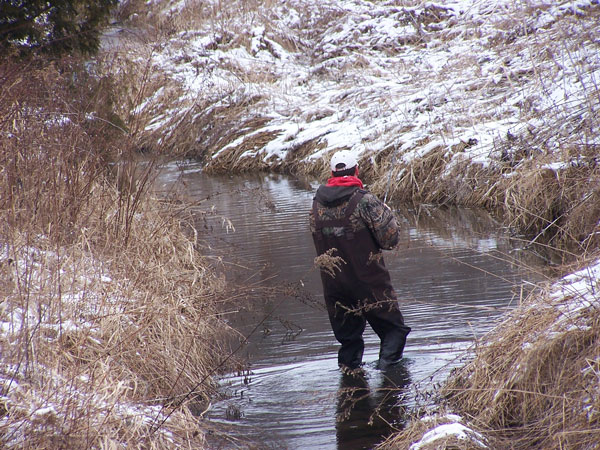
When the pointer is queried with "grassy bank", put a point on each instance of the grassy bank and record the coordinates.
(532, 383)
(109, 333)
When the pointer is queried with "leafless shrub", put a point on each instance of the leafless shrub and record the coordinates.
(328, 263)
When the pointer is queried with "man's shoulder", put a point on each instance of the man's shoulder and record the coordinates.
(368, 197)
(371, 207)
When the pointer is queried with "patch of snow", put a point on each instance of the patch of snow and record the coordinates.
(445, 431)
(44, 412)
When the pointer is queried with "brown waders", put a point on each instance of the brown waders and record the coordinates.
(360, 292)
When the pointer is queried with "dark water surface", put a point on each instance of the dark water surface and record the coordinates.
(454, 274)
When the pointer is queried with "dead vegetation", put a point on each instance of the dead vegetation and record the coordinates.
(108, 309)
(297, 154)
(242, 157)
(329, 263)
(554, 206)
(533, 382)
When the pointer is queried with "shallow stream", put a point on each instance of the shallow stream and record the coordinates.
(455, 273)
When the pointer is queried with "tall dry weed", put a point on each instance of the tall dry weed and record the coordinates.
(108, 309)
(555, 207)
(536, 375)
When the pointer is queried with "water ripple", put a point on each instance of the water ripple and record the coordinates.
(453, 277)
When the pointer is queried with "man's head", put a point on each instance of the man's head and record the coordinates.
(344, 163)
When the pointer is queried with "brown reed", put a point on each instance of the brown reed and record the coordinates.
(109, 308)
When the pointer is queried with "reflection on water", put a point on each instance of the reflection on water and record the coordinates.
(365, 415)
(455, 273)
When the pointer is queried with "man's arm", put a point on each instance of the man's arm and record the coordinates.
(380, 219)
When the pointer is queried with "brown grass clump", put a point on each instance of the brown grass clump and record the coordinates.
(556, 207)
(532, 199)
(415, 182)
(294, 160)
(107, 309)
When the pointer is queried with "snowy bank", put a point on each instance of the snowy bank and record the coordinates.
(489, 83)
(109, 333)
(533, 381)
(469, 103)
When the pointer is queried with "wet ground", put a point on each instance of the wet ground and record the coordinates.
(455, 273)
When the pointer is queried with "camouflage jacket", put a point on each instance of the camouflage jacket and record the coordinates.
(370, 213)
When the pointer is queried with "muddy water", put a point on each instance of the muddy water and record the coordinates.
(455, 273)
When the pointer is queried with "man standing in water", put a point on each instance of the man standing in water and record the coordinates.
(350, 223)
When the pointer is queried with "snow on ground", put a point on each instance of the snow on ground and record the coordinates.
(569, 300)
(370, 75)
(443, 432)
(574, 296)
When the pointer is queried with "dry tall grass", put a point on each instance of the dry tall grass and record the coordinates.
(109, 327)
(537, 374)
(533, 381)
(557, 207)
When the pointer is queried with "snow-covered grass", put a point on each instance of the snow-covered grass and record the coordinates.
(83, 363)
(447, 433)
(370, 75)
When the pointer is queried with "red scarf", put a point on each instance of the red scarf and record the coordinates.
(348, 180)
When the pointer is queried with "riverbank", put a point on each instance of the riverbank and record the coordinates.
(532, 382)
(109, 328)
